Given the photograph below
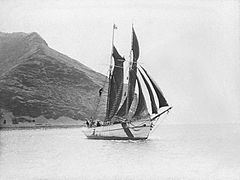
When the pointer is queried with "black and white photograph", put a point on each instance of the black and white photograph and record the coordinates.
(119, 90)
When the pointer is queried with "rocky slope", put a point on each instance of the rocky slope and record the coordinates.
(37, 82)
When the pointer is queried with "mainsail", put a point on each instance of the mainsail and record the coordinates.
(135, 46)
(123, 111)
(115, 85)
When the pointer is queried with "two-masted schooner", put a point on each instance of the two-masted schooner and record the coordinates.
(125, 119)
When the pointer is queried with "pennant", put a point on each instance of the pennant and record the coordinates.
(114, 26)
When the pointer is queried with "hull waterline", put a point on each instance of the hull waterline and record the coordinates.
(114, 138)
(121, 131)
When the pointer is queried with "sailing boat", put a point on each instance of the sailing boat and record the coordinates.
(127, 116)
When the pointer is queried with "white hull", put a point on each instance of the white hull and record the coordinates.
(122, 131)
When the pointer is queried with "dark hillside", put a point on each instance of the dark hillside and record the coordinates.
(37, 81)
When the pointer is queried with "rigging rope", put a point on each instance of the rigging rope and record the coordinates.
(156, 125)
(99, 98)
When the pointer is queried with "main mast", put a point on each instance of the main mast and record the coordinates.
(129, 71)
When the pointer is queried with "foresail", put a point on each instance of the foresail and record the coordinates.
(153, 104)
(115, 85)
(161, 99)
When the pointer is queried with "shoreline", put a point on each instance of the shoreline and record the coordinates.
(39, 127)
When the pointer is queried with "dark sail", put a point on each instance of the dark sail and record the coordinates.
(162, 101)
(132, 77)
(123, 111)
(115, 85)
(133, 69)
(135, 46)
(153, 104)
(141, 107)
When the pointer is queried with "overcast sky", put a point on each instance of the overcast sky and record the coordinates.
(190, 47)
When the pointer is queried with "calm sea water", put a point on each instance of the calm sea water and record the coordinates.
(172, 152)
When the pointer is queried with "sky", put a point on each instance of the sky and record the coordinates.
(190, 47)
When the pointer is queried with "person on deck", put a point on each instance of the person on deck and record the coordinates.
(91, 122)
(98, 124)
(87, 123)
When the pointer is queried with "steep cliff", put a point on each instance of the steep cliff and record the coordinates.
(37, 81)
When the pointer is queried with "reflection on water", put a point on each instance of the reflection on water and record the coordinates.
(173, 151)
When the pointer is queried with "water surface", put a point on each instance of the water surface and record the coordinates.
(172, 152)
